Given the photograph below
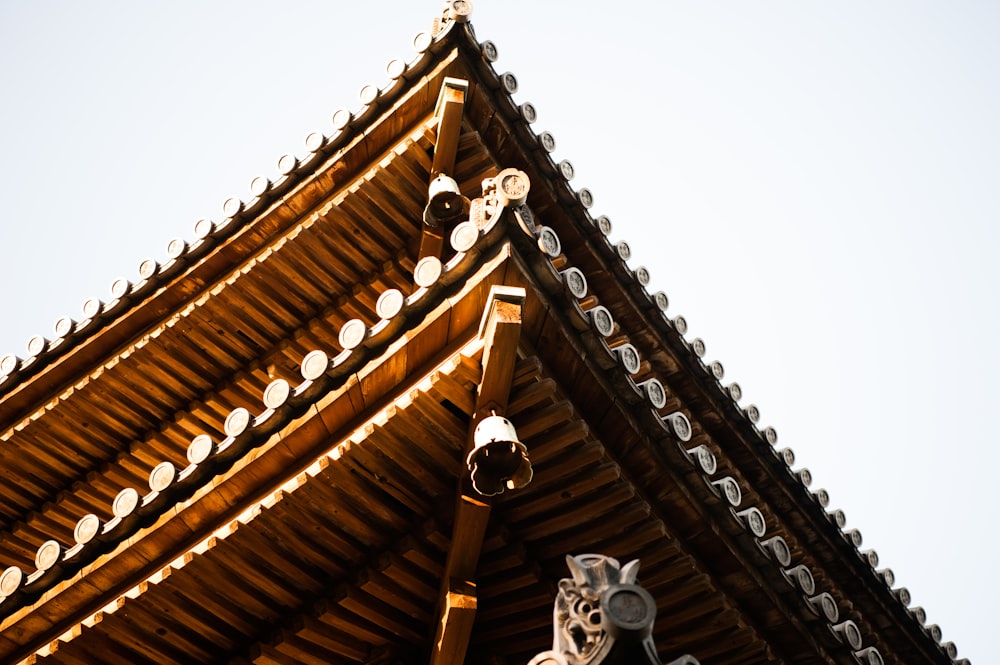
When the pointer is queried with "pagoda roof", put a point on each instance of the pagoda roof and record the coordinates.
(764, 575)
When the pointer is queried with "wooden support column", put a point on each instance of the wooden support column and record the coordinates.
(500, 330)
(448, 112)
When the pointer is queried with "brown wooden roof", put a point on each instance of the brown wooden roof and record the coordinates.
(317, 530)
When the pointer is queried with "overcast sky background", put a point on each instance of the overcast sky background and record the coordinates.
(813, 184)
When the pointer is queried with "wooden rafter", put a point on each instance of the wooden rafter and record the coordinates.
(500, 331)
(450, 105)
(448, 112)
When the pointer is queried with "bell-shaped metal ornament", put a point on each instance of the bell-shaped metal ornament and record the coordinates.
(498, 461)
(445, 201)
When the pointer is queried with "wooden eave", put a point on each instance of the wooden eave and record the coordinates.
(610, 476)
(294, 575)
(290, 577)
(229, 320)
(327, 410)
(717, 419)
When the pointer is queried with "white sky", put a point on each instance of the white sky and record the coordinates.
(813, 184)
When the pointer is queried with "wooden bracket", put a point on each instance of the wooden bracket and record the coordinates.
(500, 330)
(448, 112)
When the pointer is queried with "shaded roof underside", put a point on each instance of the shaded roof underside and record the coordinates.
(315, 573)
(343, 563)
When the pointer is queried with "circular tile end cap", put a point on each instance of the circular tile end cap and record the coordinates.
(490, 51)
(276, 393)
(237, 421)
(427, 271)
(48, 554)
(314, 365)
(126, 502)
(200, 449)
(513, 186)
(10, 581)
(162, 475)
(352, 334)
(464, 236)
(86, 529)
(679, 425)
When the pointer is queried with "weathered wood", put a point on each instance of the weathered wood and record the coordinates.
(449, 387)
(421, 446)
(549, 511)
(598, 478)
(428, 475)
(209, 571)
(265, 654)
(381, 613)
(458, 615)
(558, 440)
(331, 613)
(563, 467)
(165, 634)
(500, 329)
(277, 554)
(247, 566)
(449, 110)
(448, 113)
(307, 652)
(315, 632)
(347, 530)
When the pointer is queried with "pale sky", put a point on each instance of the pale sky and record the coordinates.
(814, 185)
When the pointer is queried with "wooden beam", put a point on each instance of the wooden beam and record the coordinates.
(448, 113)
(431, 241)
(473, 515)
(457, 619)
(500, 330)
